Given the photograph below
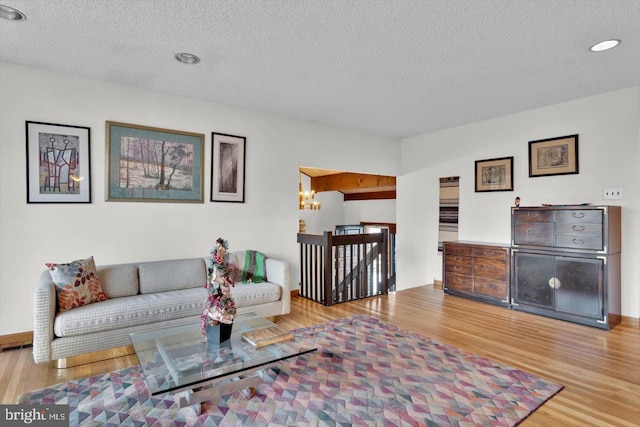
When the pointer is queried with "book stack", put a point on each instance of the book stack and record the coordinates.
(266, 336)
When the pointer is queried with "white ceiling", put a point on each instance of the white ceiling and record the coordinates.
(396, 68)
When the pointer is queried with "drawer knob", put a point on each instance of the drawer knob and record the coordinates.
(533, 232)
(578, 241)
(489, 253)
(578, 228)
(457, 258)
(533, 214)
(457, 267)
(554, 283)
(488, 266)
(578, 214)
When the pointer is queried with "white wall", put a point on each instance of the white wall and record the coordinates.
(381, 211)
(330, 214)
(114, 232)
(608, 126)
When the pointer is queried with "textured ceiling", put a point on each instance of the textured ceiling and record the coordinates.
(396, 68)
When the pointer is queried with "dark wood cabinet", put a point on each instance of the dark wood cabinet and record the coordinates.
(566, 263)
(477, 270)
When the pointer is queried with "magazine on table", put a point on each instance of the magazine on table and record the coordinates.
(266, 336)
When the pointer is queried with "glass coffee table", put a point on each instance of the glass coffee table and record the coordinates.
(179, 361)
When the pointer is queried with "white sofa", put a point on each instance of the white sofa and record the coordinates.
(142, 297)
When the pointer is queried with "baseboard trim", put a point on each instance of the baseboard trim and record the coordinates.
(16, 340)
(295, 293)
(634, 322)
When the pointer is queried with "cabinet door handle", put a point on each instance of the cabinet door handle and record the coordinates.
(533, 232)
(578, 228)
(577, 214)
(554, 283)
(578, 241)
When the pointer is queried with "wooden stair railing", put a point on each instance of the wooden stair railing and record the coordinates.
(336, 269)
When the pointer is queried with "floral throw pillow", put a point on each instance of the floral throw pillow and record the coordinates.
(77, 283)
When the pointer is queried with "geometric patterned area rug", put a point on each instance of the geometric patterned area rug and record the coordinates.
(364, 373)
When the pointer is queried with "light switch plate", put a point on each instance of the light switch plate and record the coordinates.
(612, 193)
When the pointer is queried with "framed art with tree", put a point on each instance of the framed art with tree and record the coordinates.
(148, 164)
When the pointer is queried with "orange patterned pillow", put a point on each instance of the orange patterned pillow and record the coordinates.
(76, 283)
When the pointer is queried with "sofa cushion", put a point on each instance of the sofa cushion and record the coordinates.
(163, 276)
(77, 283)
(118, 313)
(247, 295)
(135, 310)
(119, 280)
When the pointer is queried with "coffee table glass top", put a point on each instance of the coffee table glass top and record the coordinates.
(179, 358)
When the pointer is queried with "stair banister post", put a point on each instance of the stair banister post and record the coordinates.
(328, 270)
(385, 261)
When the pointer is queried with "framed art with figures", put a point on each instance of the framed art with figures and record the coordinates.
(494, 174)
(58, 163)
(553, 156)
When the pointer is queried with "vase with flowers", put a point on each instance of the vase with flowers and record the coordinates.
(219, 307)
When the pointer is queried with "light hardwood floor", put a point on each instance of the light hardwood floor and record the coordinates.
(600, 370)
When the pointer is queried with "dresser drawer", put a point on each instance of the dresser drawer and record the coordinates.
(489, 268)
(579, 242)
(477, 270)
(458, 264)
(491, 288)
(524, 215)
(579, 229)
(497, 254)
(457, 282)
(587, 216)
(457, 249)
(533, 233)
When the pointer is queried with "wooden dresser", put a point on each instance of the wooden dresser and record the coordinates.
(566, 263)
(477, 270)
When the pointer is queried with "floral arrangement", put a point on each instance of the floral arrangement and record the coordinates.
(219, 307)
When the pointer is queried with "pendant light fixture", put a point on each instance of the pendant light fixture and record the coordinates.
(307, 198)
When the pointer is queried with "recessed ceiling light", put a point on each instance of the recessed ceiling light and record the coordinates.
(11, 14)
(187, 58)
(605, 45)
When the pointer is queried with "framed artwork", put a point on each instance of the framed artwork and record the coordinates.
(553, 156)
(58, 163)
(494, 174)
(227, 168)
(148, 164)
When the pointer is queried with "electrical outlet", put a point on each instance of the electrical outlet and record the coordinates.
(612, 193)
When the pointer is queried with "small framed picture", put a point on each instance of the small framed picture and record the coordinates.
(494, 174)
(148, 164)
(58, 163)
(227, 168)
(553, 156)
